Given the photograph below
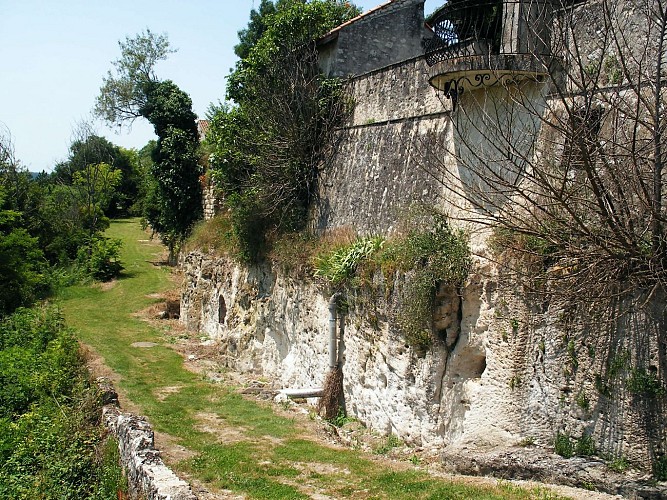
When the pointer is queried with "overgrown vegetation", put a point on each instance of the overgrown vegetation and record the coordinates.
(428, 258)
(270, 145)
(567, 447)
(567, 170)
(51, 225)
(412, 265)
(645, 383)
(418, 262)
(51, 442)
(339, 265)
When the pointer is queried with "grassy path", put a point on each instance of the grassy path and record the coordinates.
(263, 455)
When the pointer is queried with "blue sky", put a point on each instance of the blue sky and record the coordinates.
(54, 54)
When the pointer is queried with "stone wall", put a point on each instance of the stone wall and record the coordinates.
(273, 325)
(389, 34)
(376, 175)
(210, 201)
(502, 376)
(147, 475)
(512, 371)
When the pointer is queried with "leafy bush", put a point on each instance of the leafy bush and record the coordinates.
(428, 258)
(21, 263)
(49, 414)
(339, 265)
(644, 382)
(563, 445)
(660, 468)
(567, 448)
(101, 258)
(619, 464)
(38, 358)
(585, 446)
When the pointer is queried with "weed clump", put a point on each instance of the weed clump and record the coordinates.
(420, 260)
(427, 259)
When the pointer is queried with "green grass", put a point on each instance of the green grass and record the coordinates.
(275, 459)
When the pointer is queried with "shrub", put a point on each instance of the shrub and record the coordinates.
(644, 382)
(101, 258)
(39, 359)
(49, 414)
(660, 468)
(563, 445)
(619, 464)
(428, 258)
(339, 265)
(585, 446)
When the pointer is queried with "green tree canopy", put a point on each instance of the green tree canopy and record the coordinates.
(123, 94)
(94, 186)
(21, 262)
(268, 148)
(257, 25)
(173, 202)
(289, 29)
(90, 149)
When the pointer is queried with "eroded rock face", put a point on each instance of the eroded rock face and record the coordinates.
(278, 328)
(534, 464)
(498, 373)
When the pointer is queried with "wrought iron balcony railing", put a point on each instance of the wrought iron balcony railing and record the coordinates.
(465, 28)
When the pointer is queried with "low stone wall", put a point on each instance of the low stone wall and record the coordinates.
(148, 476)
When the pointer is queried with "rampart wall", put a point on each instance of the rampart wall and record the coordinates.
(514, 372)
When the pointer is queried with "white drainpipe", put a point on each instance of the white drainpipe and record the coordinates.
(333, 340)
(333, 353)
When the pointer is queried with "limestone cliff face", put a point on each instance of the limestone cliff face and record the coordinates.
(500, 375)
(274, 326)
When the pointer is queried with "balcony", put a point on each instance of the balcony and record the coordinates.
(479, 43)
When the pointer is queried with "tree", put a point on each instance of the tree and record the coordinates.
(30, 204)
(257, 25)
(135, 91)
(269, 148)
(122, 95)
(87, 149)
(21, 262)
(94, 186)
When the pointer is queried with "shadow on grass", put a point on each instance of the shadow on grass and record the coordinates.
(126, 275)
(160, 263)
